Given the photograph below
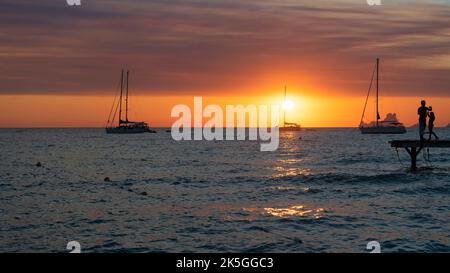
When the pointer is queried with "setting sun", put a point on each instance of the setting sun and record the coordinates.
(288, 105)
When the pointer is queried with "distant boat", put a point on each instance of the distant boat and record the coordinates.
(448, 126)
(125, 126)
(289, 126)
(390, 125)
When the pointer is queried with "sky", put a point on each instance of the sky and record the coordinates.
(61, 64)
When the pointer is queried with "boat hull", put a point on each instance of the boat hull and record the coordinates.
(378, 130)
(126, 130)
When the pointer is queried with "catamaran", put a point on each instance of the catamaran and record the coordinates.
(390, 125)
(125, 126)
(288, 126)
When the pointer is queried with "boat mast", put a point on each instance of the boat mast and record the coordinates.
(120, 100)
(126, 112)
(378, 68)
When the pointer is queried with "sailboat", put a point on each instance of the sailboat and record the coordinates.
(390, 125)
(125, 126)
(289, 126)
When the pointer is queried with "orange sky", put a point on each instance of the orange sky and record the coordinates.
(61, 65)
(82, 111)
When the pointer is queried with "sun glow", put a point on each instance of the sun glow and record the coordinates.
(288, 105)
(92, 111)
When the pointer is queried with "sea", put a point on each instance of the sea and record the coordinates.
(324, 190)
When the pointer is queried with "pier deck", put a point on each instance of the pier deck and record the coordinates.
(414, 147)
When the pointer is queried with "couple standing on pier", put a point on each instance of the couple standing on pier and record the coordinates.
(425, 112)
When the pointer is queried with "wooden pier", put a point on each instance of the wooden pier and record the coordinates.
(414, 147)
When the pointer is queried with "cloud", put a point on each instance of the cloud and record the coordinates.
(217, 46)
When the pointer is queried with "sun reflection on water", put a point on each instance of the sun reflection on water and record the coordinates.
(289, 212)
(295, 211)
(291, 188)
(290, 160)
(287, 172)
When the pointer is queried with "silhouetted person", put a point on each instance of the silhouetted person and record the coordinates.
(423, 113)
(431, 123)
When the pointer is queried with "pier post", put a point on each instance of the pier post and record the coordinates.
(413, 152)
(414, 158)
